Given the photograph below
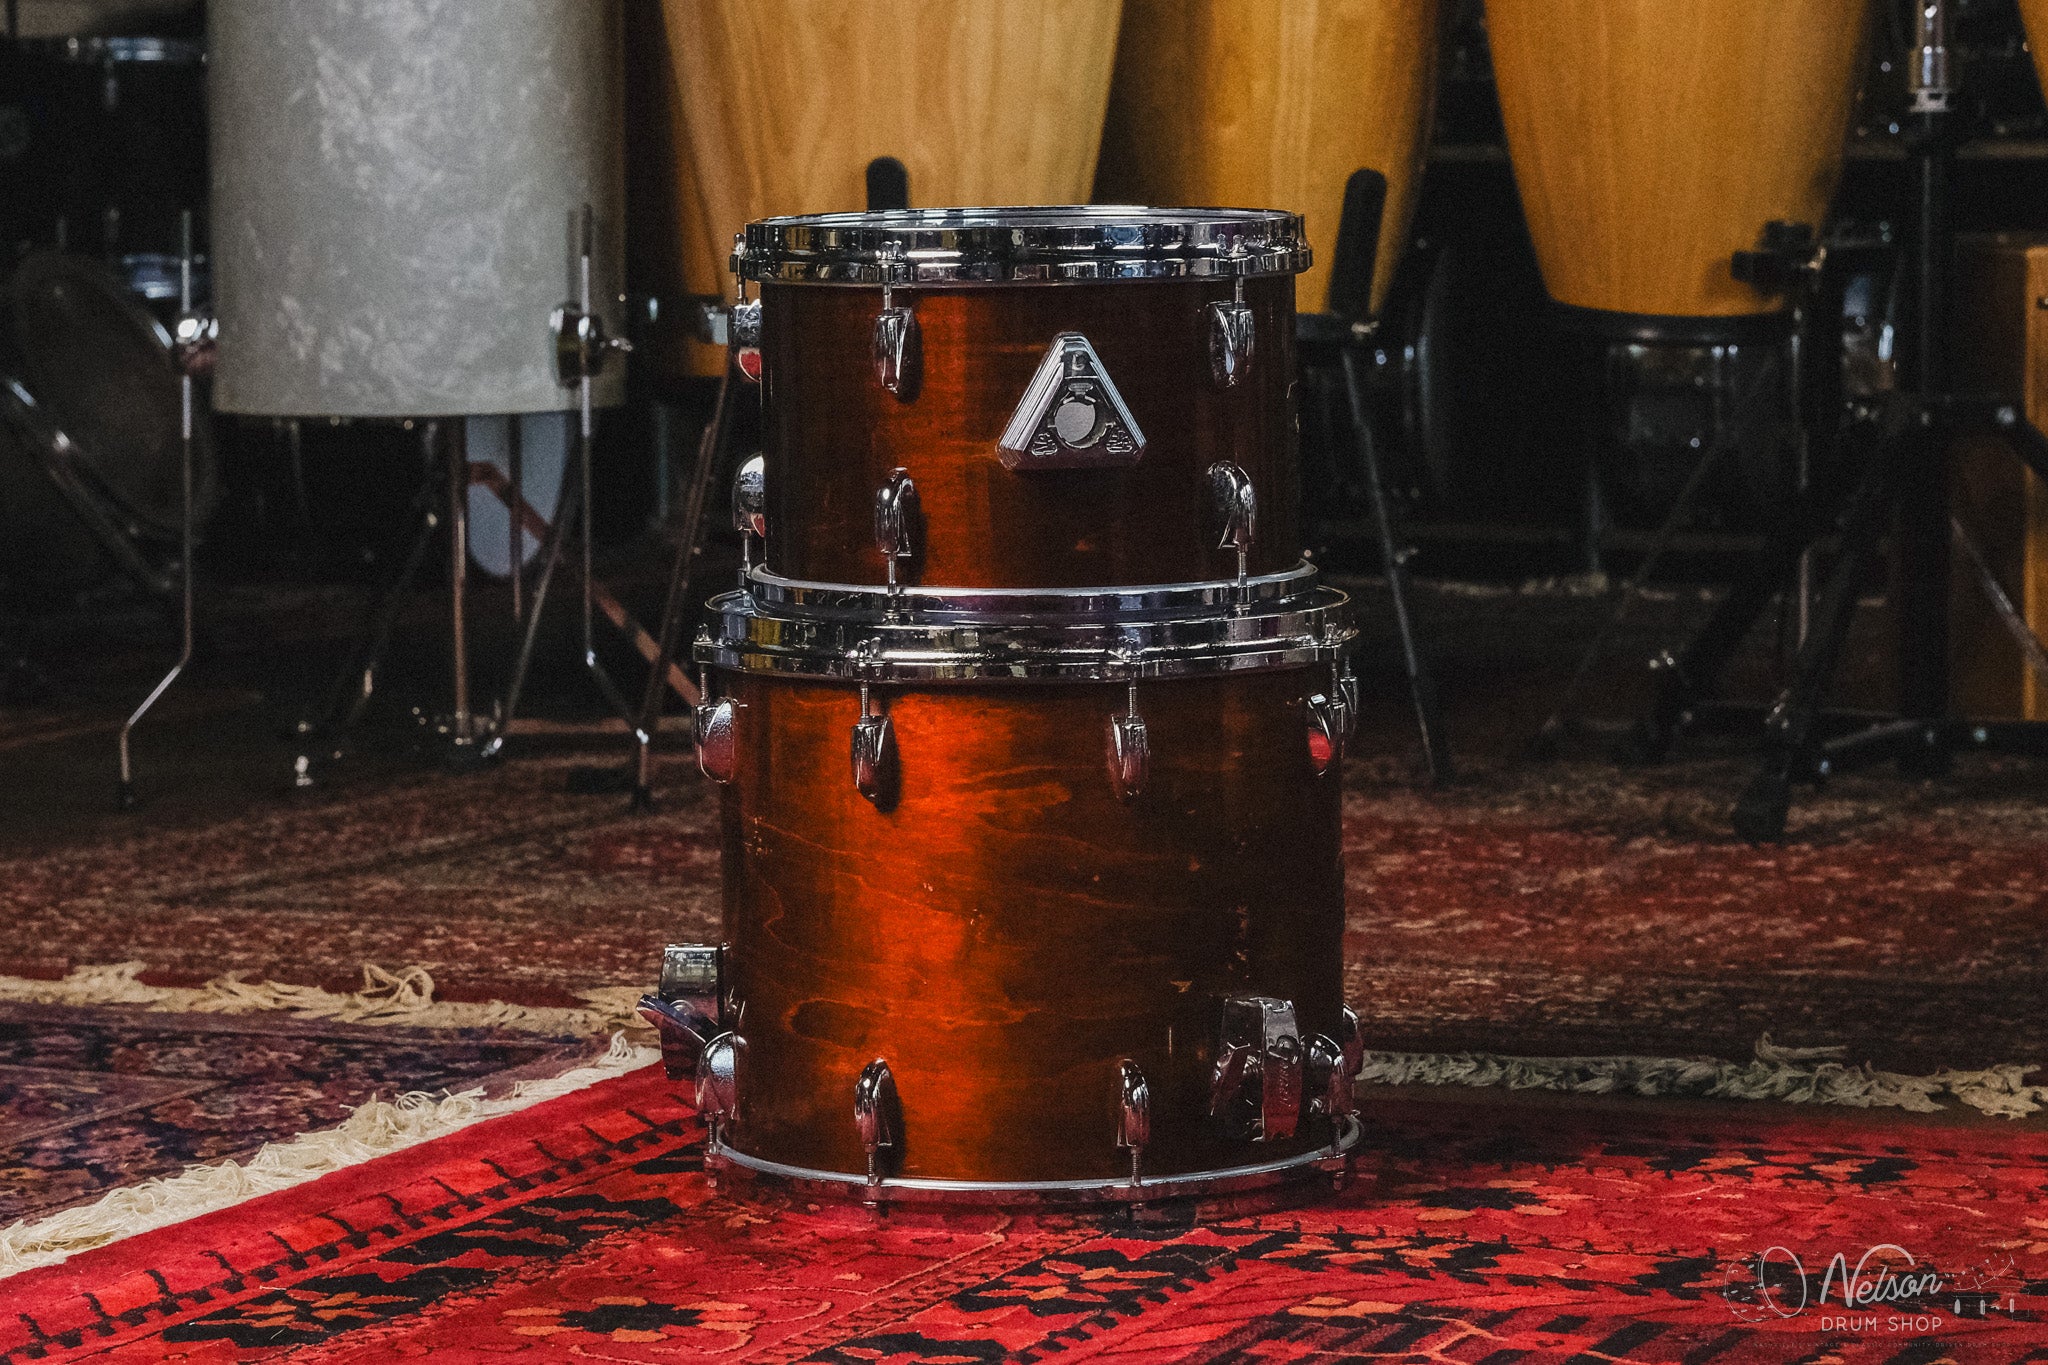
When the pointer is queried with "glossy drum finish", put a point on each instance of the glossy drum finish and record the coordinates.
(1651, 141)
(1004, 930)
(833, 433)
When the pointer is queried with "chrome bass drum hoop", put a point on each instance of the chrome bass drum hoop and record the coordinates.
(1053, 245)
(1334, 1159)
(748, 636)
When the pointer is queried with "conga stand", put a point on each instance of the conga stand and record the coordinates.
(1902, 486)
(1343, 338)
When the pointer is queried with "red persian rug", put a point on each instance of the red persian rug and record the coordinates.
(1481, 1228)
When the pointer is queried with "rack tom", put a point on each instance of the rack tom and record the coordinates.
(1055, 386)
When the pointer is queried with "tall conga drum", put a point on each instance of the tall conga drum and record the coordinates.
(1651, 141)
(1029, 715)
(1244, 102)
(778, 106)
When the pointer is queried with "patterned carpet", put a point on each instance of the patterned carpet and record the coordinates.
(584, 1229)
(93, 1099)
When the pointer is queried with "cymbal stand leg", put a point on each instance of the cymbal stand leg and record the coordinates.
(1436, 753)
(550, 560)
(710, 451)
(125, 794)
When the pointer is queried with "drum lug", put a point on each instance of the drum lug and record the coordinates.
(717, 740)
(878, 1117)
(687, 1008)
(1234, 506)
(1347, 697)
(1255, 1090)
(874, 753)
(718, 1083)
(1231, 336)
(750, 509)
(898, 349)
(897, 523)
(1130, 751)
(1325, 732)
(1332, 1067)
(1071, 415)
(1134, 1116)
(746, 338)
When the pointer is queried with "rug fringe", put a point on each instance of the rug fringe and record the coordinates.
(372, 1130)
(1813, 1075)
(402, 997)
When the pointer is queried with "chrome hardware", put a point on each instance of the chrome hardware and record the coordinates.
(582, 349)
(1130, 751)
(1133, 1116)
(750, 509)
(874, 753)
(1346, 696)
(898, 348)
(195, 337)
(1235, 505)
(897, 515)
(717, 741)
(1333, 1065)
(1021, 245)
(745, 330)
(1928, 74)
(1231, 336)
(1071, 415)
(687, 1008)
(1255, 1090)
(920, 636)
(718, 1083)
(877, 1114)
(1325, 732)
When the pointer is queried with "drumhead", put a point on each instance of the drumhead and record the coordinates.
(1049, 245)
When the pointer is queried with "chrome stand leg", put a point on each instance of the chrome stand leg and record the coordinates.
(460, 722)
(550, 559)
(125, 794)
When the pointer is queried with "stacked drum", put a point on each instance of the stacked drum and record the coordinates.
(1029, 717)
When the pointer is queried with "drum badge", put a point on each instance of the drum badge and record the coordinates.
(1071, 416)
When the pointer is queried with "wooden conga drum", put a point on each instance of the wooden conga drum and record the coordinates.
(778, 106)
(1033, 879)
(1244, 102)
(1651, 141)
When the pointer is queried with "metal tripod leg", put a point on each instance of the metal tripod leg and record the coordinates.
(1436, 754)
(321, 738)
(1561, 718)
(550, 559)
(710, 447)
(125, 794)
(1790, 729)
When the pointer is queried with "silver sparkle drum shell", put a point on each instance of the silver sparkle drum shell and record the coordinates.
(396, 185)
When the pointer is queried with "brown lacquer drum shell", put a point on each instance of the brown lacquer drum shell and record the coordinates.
(1652, 140)
(834, 430)
(834, 434)
(1006, 929)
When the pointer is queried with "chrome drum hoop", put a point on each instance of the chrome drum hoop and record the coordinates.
(1052, 245)
(747, 636)
(802, 597)
(1334, 1160)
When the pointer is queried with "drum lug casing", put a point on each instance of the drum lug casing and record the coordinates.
(718, 1084)
(1232, 334)
(750, 509)
(717, 739)
(1326, 728)
(874, 754)
(687, 1008)
(1256, 1089)
(898, 524)
(898, 350)
(1333, 1065)
(1130, 751)
(877, 1117)
(1234, 513)
(1133, 1116)
(745, 332)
